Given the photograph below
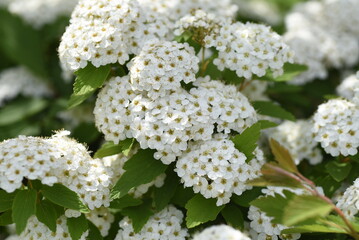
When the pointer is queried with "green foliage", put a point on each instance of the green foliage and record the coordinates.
(6, 218)
(233, 216)
(6, 200)
(305, 207)
(109, 148)
(21, 43)
(273, 110)
(140, 169)
(68, 199)
(291, 209)
(246, 142)
(290, 72)
(245, 198)
(77, 226)
(124, 202)
(47, 214)
(88, 80)
(339, 171)
(201, 210)
(163, 195)
(20, 109)
(282, 156)
(23, 207)
(182, 196)
(139, 215)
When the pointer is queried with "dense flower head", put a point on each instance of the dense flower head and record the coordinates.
(249, 49)
(168, 123)
(37, 13)
(161, 66)
(105, 32)
(220, 232)
(349, 202)
(200, 24)
(102, 218)
(58, 159)
(261, 226)
(336, 127)
(298, 139)
(37, 230)
(216, 169)
(164, 225)
(117, 162)
(348, 86)
(18, 80)
(319, 34)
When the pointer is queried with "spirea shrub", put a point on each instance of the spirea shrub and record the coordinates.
(179, 120)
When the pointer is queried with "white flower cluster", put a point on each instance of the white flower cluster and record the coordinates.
(349, 202)
(40, 12)
(161, 66)
(117, 162)
(176, 9)
(165, 225)
(322, 35)
(216, 169)
(249, 49)
(336, 127)
(200, 24)
(348, 86)
(221, 232)
(168, 123)
(58, 159)
(298, 139)
(39, 231)
(104, 32)
(102, 218)
(19, 80)
(261, 226)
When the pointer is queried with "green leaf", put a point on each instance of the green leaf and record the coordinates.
(88, 80)
(124, 202)
(182, 196)
(46, 213)
(233, 216)
(21, 43)
(328, 184)
(6, 200)
(272, 177)
(140, 169)
(246, 142)
(85, 133)
(314, 228)
(290, 72)
(273, 110)
(6, 218)
(164, 194)
(109, 148)
(267, 124)
(339, 171)
(282, 156)
(304, 207)
(24, 206)
(274, 206)
(201, 210)
(139, 215)
(77, 226)
(245, 198)
(94, 232)
(68, 199)
(21, 109)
